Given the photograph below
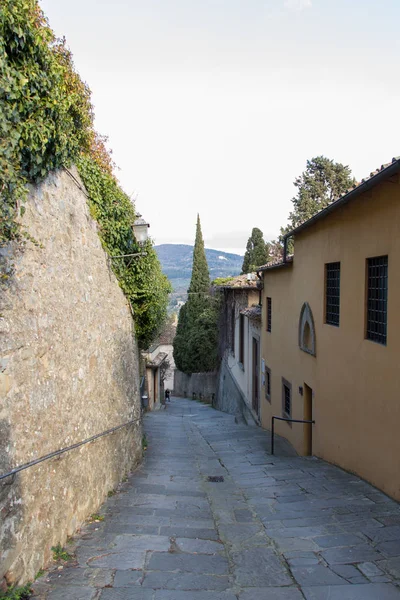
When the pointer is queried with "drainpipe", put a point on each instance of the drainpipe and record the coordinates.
(261, 287)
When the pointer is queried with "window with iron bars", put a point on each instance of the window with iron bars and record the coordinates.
(377, 298)
(286, 398)
(332, 293)
(269, 314)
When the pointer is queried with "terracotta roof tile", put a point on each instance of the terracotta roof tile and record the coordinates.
(240, 282)
(277, 262)
(252, 312)
(157, 360)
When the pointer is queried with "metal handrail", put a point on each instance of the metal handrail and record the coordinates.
(67, 449)
(283, 419)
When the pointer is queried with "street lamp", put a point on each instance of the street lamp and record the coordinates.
(140, 231)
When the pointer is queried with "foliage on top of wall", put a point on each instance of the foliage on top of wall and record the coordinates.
(45, 110)
(141, 279)
(46, 122)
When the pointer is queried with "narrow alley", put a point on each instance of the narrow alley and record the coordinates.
(266, 528)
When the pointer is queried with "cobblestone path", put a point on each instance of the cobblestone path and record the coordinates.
(276, 528)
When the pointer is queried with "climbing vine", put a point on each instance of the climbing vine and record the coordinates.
(141, 279)
(45, 110)
(46, 122)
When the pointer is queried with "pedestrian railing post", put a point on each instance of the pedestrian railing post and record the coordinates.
(283, 419)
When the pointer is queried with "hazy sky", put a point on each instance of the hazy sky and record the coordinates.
(214, 106)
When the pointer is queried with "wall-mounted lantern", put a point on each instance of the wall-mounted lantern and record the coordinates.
(140, 231)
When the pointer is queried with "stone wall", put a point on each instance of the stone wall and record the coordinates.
(68, 370)
(204, 385)
(230, 398)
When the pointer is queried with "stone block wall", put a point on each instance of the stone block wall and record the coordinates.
(230, 398)
(68, 371)
(198, 383)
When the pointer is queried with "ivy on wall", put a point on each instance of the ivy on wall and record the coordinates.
(141, 279)
(45, 110)
(46, 122)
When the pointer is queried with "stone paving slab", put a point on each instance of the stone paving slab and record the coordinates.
(277, 528)
(282, 593)
(370, 591)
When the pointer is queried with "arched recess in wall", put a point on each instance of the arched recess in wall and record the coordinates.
(307, 341)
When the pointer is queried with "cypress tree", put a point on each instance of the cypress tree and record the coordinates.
(200, 281)
(196, 340)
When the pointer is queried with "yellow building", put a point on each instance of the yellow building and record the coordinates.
(331, 333)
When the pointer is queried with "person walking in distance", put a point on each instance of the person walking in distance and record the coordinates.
(167, 395)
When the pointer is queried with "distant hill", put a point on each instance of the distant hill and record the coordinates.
(176, 261)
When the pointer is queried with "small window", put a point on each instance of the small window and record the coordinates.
(307, 339)
(269, 314)
(286, 398)
(233, 323)
(332, 293)
(377, 294)
(268, 384)
(241, 339)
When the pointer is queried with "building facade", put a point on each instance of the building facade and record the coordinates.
(331, 334)
(238, 389)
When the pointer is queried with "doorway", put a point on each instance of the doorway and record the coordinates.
(308, 412)
(256, 367)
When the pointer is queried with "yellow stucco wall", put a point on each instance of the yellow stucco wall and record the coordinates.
(355, 382)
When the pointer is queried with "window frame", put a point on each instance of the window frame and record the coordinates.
(369, 334)
(241, 340)
(267, 383)
(288, 385)
(330, 320)
(269, 314)
(233, 327)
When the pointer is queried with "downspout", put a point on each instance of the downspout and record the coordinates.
(260, 287)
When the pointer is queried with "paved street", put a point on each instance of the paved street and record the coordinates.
(275, 528)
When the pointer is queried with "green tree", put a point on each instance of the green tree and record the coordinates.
(257, 251)
(200, 281)
(196, 340)
(321, 183)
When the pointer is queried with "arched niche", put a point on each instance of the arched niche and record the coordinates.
(307, 330)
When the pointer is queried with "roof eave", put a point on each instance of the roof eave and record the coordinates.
(288, 263)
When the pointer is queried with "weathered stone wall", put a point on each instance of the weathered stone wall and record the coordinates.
(230, 398)
(68, 370)
(204, 384)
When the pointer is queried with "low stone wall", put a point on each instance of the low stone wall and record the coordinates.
(68, 371)
(229, 397)
(204, 385)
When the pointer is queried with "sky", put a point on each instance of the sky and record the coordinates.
(214, 106)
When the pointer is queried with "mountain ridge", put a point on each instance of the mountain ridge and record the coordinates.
(176, 262)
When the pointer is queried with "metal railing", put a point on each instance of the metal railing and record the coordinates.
(283, 419)
(63, 450)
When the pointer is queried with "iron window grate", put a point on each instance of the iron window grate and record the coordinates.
(332, 293)
(377, 294)
(287, 399)
(269, 314)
